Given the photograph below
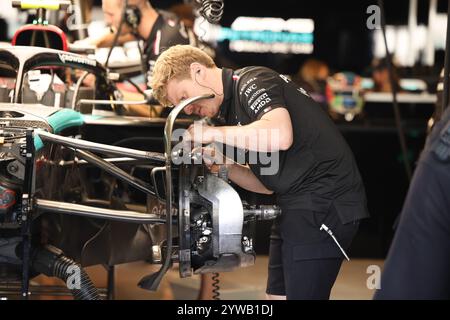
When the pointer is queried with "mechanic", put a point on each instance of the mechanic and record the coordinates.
(158, 29)
(418, 263)
(318, 185)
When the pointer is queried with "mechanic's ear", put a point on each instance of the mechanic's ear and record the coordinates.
(196, 70)
(189, 109)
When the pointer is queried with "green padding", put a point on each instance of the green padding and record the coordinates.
(65, 118)
(60, 120)
(38, 144)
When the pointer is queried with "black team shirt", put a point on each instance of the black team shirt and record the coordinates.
(166, 32)
(318, 171)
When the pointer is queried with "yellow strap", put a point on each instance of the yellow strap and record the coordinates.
(44, 4)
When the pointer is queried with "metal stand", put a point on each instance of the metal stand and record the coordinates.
(28, 153)
(110, 289)
(445, 95)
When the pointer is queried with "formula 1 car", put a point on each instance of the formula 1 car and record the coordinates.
(82, 189)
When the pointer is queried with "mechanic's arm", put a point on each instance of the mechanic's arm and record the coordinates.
(245, 178)
(240, 174)
(275, 127)
(106, 40)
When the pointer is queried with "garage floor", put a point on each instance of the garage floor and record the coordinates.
(242, 284)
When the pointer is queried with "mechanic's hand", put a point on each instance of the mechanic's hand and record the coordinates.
(212, 157)
(200, 133)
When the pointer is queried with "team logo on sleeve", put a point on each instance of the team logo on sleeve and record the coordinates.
(285, 78)
(256, 94)
(303, 91)
(248, 87)
(260, 102)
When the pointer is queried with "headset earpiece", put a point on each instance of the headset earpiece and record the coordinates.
(201, 85)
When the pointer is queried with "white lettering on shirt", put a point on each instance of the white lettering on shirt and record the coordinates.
(244, 87)
(260, 102)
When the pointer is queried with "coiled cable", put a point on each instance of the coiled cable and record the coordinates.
(211, 10)
(216, 287)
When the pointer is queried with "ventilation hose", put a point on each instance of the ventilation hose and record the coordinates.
(51, 262)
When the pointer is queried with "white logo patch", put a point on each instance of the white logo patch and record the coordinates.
(260, 102)
(244, 87)
(71, 58)
(285, 78)
(303, 91)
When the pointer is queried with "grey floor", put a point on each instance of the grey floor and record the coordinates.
(242, 284)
